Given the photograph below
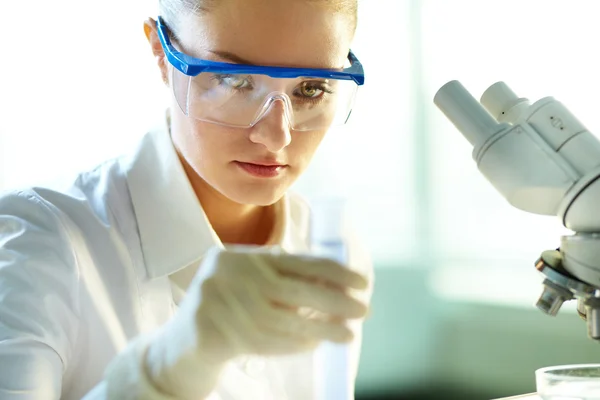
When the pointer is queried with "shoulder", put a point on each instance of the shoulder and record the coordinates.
(55, 216)
(77, 200)
(32, 226)
(28, 208)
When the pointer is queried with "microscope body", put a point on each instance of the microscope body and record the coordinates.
(544, 161)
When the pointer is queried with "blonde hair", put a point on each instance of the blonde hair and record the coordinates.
(172, 10)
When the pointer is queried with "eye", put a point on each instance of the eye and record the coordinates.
(311, 89)
(236, 81)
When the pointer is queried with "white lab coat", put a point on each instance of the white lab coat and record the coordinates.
(84, 271)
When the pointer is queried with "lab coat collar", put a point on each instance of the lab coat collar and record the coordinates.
(174, 230)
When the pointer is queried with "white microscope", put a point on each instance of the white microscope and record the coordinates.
(543, 161)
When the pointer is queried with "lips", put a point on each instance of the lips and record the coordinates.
(262, 169)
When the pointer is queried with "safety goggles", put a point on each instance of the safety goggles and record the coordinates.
(239, 95)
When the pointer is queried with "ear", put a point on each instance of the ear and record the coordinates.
(152, 35)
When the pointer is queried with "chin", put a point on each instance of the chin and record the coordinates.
(259, 195)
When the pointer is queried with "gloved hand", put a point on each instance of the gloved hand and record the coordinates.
(244, 301)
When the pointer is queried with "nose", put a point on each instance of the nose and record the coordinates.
(273, 129)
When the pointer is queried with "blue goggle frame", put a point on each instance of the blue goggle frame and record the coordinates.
(191, 66)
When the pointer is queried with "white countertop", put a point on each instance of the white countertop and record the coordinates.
(529, 396)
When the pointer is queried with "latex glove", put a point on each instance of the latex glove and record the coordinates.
(244, 301)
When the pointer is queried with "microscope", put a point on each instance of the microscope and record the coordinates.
(543, 161)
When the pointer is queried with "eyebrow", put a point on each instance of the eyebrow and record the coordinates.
(225, 55)
(230, 57)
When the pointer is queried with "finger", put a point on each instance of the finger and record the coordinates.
(218, 328)
(273, 345)
(292, 324)
(320, 269)
(294, 293)
(297, 293)
(253, 333)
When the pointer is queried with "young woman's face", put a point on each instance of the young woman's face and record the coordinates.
(262, 32)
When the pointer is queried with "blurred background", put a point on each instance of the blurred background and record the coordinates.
(453, 308)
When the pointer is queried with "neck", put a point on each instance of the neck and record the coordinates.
(234, 223)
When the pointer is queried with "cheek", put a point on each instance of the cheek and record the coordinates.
(205, 146)
(213, 143)
(305, 144)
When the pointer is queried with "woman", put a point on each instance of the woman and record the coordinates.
(181, 271)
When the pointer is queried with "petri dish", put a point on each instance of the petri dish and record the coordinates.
(569, 382)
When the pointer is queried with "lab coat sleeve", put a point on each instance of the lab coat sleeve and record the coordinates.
(125, 377)
(38, 299)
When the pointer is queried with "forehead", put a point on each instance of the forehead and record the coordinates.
(294, 33)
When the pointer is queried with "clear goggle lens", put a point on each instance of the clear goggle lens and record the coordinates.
(241, 100)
